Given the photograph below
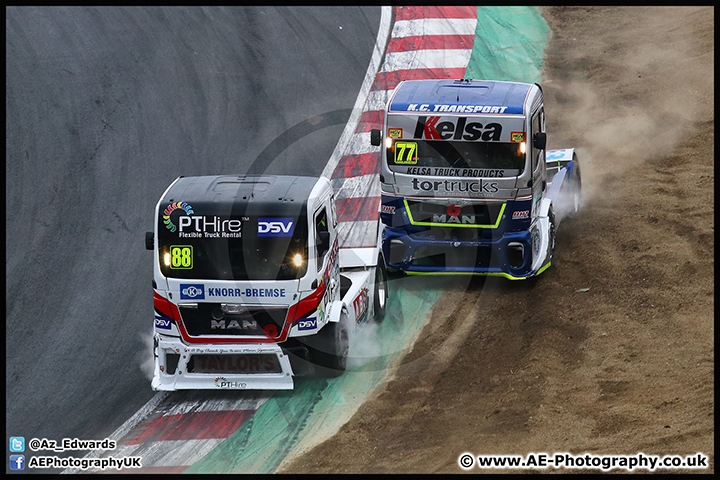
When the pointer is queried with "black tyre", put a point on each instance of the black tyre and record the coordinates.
(551, 235)
(329, 348)
(577, 188)
(380, 295)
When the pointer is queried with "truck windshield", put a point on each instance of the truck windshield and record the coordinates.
(234, 247)
(456, 154)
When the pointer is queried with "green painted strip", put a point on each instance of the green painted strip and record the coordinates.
(453, 225)
(547, 265)
(480, 274)
(485, 274)
(509, 44)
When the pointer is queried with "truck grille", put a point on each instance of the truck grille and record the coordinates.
(444, 256)
(237, 363)
(477, 214)
(210, 319)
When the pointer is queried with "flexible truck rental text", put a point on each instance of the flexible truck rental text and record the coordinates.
(467, 186)
(250, 285)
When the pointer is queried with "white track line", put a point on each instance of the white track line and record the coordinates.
(430, 59)
(434, 26)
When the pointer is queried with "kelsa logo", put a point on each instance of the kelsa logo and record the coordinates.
(390, 210)
(171, 208)
(430, 129)
(275, 227)
(189, 292)
(521, 214)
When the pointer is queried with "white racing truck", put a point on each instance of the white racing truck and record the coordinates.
(467, 187)
(250, 286)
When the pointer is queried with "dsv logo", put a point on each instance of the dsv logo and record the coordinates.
(275, 227)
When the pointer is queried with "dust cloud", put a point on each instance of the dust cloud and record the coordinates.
(145, 355)
(625, 122)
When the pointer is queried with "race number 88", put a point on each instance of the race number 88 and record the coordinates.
(181, 256)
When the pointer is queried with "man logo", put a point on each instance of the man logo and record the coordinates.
(275, 227)
(458, 219)
(190, 292)
(234, 325)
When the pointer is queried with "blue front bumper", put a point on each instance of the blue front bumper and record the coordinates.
(508, 256)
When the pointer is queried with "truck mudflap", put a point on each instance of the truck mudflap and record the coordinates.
(219, 367)
(359, 265)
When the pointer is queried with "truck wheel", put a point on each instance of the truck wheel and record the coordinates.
(330, 348)
(551, 235)
(577, 188)
(380, 295)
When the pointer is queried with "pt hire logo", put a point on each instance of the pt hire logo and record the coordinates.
(172, 207)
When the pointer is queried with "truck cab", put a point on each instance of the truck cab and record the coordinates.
(465, 182)
(247, 283)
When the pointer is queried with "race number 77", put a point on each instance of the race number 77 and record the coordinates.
(406, 153)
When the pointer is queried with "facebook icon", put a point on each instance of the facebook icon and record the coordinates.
(17, 462)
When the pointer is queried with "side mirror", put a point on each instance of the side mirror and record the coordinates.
(539, 140)
(149, 243)
(375, 137)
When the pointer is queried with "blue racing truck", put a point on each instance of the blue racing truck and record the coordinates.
(467, 186)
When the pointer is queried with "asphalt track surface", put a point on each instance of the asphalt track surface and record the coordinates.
(104, 108)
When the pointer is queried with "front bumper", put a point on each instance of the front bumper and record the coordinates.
(509, 256)
(172, 357)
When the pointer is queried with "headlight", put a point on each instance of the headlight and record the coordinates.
(298, 260)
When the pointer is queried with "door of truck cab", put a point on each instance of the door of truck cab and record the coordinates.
(323, 250)
(537, 156)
